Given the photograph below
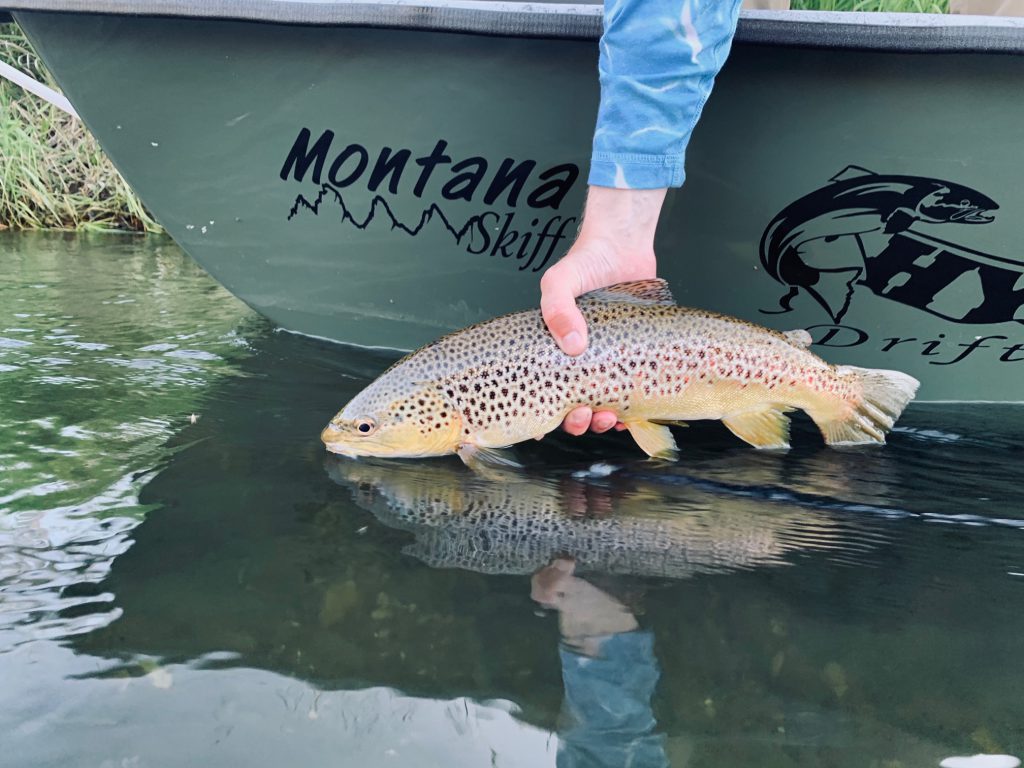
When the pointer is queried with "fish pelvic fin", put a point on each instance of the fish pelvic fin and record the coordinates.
(653, 292)
(654, 439)
(485, 460)
(766, 429)
(884, 395)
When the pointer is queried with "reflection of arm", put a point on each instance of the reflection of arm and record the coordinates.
(658, 62)
(609, 672)
(608, 703)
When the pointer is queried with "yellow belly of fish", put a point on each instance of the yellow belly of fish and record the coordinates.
(753, 412)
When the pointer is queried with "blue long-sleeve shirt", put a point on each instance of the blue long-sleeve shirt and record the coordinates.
(658, 61)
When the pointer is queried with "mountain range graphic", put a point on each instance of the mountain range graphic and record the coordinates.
(378, 205)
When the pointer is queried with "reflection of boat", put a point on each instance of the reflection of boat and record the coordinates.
(519, 524)
(383, 185)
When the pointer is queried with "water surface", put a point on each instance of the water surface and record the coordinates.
(219, 591)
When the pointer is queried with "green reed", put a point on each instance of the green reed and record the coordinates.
(53, 174)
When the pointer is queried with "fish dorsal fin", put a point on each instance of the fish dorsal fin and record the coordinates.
(654, 291)
(852, 172)
(800, 337)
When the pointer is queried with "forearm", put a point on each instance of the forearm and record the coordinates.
(658, 62)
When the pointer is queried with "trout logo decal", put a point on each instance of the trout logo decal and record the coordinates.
(872, 231)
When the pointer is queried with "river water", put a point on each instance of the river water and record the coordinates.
(186, 578)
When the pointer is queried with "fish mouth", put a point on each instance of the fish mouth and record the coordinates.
(332, 438)
(972, 216)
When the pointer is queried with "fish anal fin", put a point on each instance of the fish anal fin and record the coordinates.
(484, 459)
(767, 428)
(799, 337)
(654, 292)
(654, 439)
(852, 172)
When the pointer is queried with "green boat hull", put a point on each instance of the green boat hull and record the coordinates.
(382, 186)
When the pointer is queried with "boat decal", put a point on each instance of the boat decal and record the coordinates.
(875, 213)
(515, 218)
(865, 231)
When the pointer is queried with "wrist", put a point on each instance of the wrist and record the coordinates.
(625, 219)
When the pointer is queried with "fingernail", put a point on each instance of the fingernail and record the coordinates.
(572, 340)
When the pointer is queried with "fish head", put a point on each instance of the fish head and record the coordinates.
(395, 421)
(950, 202)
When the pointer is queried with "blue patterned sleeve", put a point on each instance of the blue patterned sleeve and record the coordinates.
(658, 61)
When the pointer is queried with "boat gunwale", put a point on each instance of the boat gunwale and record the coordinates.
(891, 32)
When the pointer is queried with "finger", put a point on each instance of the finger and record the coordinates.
(603, 421)
(561, 315)
(578, 420)
(620, 427)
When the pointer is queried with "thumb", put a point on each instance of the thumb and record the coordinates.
(561, 315)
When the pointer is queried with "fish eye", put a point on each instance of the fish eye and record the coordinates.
(365, 426)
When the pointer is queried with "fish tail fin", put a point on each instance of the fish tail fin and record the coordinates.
(882, 397)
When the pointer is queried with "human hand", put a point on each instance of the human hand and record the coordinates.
(615, 245)
(585, 613)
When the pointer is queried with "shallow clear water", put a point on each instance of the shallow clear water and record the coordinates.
(224, 593)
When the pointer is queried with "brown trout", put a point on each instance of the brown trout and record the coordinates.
(649, 361)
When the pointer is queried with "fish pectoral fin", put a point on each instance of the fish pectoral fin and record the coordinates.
(654, 291)
(477, 458)
(767, 428)
(655, 439)
(669, 422)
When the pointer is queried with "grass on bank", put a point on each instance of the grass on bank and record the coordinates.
(886, 6)
(53, 174)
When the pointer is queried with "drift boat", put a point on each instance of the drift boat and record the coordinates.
(381, 173)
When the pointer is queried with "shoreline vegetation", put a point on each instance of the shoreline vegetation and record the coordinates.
(55, 176)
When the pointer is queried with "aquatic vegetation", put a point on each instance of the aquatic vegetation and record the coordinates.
(54, 175)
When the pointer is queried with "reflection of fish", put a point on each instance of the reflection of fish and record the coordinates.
(649, 360)
(857, 202)
(461, 520)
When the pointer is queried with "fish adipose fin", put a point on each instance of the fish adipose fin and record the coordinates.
(767, 429)
(799, 337)
(477, 458)
(884, 396)
(655, 292)
(655, 439)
